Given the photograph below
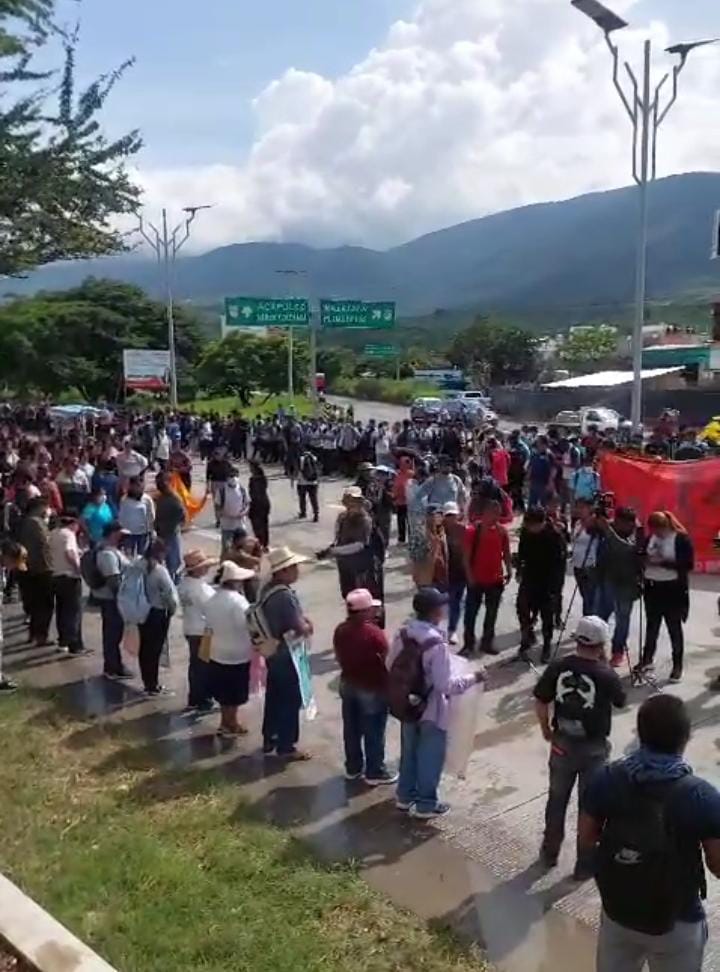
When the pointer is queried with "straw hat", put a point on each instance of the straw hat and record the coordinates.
(232, 572)
(282, 557)
(352, 493)
(196, 560)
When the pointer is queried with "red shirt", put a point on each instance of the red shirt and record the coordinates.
(487, 553)
(361, 648)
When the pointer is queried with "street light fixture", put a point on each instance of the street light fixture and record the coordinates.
(166, 246)
(646, 111)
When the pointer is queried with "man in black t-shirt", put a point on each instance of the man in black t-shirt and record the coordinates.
(581, 689)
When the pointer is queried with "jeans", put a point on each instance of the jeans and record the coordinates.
(364, 716)
(570, 760)
(422, 756)
(198, 675)
(531, 601)
(586, 578)
(475, 595)
(305, 493)
(136, 543)
(664, 601)
(68, 612)
(456, 593)
(281, 718)
(401, 513)
(173, 553)
(113, 627)
(621, 949)
(153, 632)
(538, 493)
(612, 600)
(38, 596)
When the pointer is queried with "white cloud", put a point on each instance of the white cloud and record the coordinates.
(470, 107)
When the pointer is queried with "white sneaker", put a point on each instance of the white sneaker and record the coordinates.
(387, 779)
(453, 639)
(405, 807)
(351, 777)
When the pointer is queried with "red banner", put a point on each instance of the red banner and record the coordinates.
(690, 490)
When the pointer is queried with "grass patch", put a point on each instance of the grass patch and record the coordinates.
(258, 408)
(402, 392)
(182, 876)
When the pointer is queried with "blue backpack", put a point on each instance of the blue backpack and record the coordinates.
(132, 598)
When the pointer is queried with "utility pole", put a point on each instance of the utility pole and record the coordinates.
(644, 107)
(166, 246)
(291, 339)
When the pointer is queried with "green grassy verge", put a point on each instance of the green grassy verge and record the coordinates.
(162, 870)
(384, 389)
(259, 407)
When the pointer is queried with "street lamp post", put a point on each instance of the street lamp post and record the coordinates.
(646, 111)
(166, 246)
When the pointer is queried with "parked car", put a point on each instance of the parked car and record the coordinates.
(602, 419)
(481, 397)
(567, 421)
(427, 409)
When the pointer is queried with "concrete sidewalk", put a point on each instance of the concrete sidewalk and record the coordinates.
(474, 869)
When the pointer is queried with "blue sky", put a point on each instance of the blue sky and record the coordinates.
(199, 65)
(381, 119)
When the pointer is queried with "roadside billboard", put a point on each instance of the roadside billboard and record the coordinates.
(146, 370)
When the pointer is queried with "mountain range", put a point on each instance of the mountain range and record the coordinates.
(579, 253)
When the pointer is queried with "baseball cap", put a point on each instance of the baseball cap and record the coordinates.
(592, 630)
(361, 600)
(429, 598)
(451, 509)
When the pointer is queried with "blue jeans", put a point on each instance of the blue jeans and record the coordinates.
(281, 717)
(136, 543)
(538, 493)
(173, 554)
(456, 591)
(422, 756)
(609, 600)
(364, 716)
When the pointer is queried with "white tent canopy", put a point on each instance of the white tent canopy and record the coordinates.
(609, 379)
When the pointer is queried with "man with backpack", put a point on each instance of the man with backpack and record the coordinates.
(420, 683)
(307, 487)
(650, 821)
(582, 690)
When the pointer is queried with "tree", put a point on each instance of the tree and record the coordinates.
(585, 347)
(495, 353)
(75, 338)
(242, 363)
(61, 179)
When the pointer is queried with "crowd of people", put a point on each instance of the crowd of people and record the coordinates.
(102, 505)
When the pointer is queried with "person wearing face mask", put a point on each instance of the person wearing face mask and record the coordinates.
(234, 509)
(669, 559)
(137, 516)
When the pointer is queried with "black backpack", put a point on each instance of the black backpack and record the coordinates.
(309, 467)
(407, 690)
(644, 874)
(89, 570)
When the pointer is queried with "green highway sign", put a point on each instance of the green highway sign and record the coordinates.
(380, 351)
(266, 312)
(357, 313)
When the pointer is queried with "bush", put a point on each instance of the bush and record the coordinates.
(383, 389)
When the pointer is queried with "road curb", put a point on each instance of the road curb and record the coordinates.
(41, 940)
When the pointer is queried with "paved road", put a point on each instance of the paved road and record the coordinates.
(380, 411)
(476, 868)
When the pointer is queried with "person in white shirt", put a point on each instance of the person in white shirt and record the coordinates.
(137, 516)
(161, 447)
(130, 464)
(67, 584)
(233, 511)
(194, 593)
(230, 647)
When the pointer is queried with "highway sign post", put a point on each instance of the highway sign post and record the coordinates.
(266, 312)
(373, 315)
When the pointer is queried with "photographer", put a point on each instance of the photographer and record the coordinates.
(619, 573)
